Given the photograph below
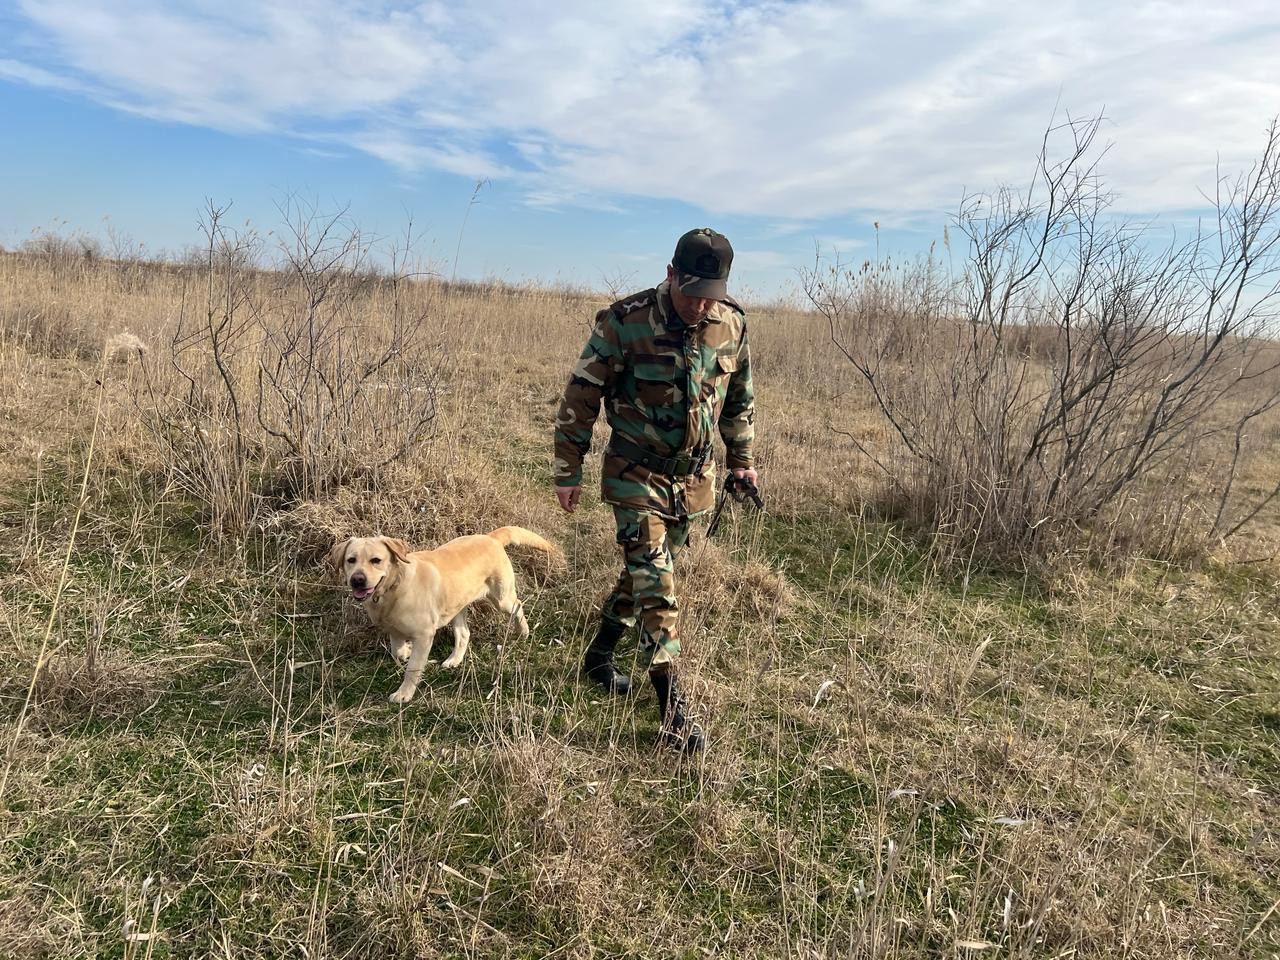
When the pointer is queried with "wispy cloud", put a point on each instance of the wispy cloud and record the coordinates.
(37, 77)
(839, 245)
(762, 260)
(323, 154)
(794, 110)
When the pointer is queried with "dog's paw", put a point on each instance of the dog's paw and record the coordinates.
(401, 653)
(402, 696)
(451, 662)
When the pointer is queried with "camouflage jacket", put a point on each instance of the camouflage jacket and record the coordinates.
(667, 387)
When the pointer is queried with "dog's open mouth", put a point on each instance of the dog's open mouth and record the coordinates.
(361, 594)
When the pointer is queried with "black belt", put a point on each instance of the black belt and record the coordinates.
(681, 465)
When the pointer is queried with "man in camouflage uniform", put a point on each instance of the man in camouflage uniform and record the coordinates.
(672, 365)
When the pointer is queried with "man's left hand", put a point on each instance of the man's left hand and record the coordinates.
(747, 474)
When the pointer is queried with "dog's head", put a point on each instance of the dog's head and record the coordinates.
(364, 563)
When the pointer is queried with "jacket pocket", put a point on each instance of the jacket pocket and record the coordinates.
(717, 379)
(655, 381)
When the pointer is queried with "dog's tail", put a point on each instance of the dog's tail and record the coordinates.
(520, 537)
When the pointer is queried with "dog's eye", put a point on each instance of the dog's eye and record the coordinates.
(351, 559)
(377, 559)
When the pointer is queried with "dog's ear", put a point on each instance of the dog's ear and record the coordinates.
(399, 549)
(337, 553)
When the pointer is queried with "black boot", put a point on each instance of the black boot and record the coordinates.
(676, 730)
(598, 662)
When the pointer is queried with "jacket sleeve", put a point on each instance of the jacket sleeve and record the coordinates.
(590, 381)
(738, 417)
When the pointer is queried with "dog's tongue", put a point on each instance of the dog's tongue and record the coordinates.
(362, 594)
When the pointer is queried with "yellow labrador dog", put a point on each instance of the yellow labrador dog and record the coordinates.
(411, 595)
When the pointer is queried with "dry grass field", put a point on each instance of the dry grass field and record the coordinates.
(908, 758)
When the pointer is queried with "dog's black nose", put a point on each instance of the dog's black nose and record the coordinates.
(358, 581)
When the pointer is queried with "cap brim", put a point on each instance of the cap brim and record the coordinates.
(704, 288)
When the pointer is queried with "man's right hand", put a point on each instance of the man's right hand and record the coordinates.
(568, 497)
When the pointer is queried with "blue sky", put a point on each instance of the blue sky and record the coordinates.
(606, 130)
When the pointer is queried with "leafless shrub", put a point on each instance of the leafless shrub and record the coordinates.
(74, 248)
(293, 380)
(1054, 393)
(345, 382)
(617, 283)
(203, 417)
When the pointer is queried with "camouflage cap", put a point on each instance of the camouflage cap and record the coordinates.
(701, 261)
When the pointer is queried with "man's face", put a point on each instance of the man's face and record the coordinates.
(692, 310)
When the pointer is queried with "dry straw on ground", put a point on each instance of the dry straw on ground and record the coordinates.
(909, 758)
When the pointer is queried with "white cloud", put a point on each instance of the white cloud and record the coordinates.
(843, 244)
(400, 152)
(323, 154)
(36, 77)
(794, 110)
(761, 260)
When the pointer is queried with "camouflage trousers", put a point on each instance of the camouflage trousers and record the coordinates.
(646, 589)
